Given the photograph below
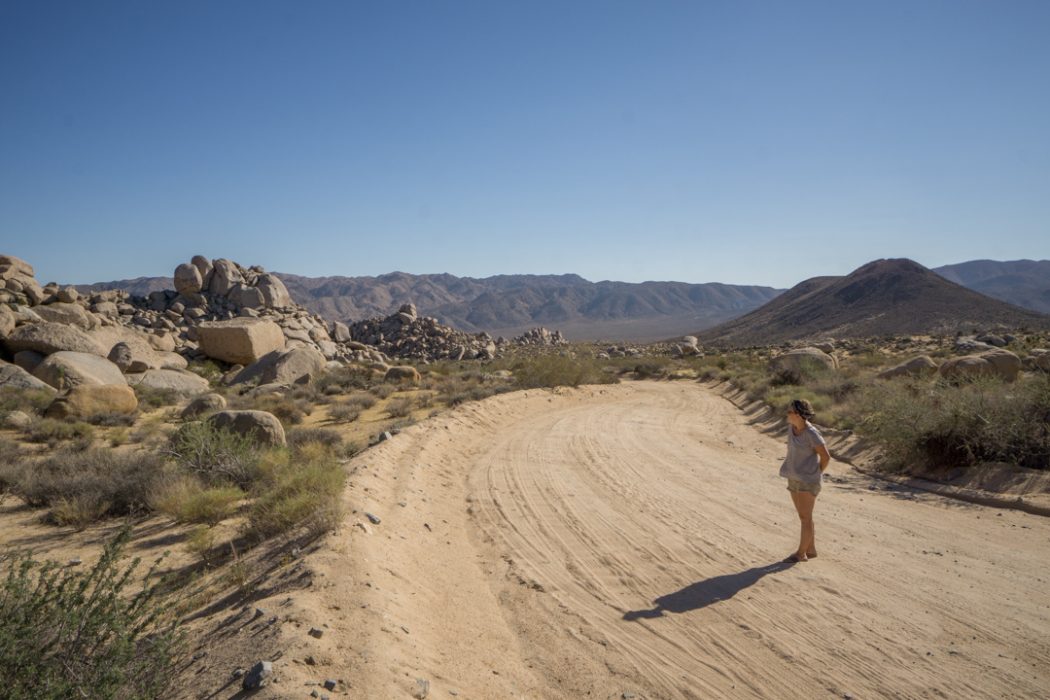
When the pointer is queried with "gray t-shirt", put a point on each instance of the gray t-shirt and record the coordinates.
(802, 462)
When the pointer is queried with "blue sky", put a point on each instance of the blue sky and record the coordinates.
(739, 142)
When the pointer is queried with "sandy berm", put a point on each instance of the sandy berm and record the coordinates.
(625, 541)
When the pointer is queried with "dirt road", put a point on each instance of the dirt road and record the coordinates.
(624, 541)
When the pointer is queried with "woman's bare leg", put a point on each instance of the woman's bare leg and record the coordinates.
(804, 503)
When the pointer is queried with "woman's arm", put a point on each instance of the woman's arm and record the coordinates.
(822, 452)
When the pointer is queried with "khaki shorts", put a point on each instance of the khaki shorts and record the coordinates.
(796, 486)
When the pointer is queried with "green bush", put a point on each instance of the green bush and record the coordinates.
(341, 380)
(31, 401)
(150, 397)
(558, 370)
(929, 425)
(52, 431)
(81, 487)
(300, 437)
(343, 413)
(362, 401)
(218, 457)
(400, 407)
(304, 492)
(70, 634)
(187, 501)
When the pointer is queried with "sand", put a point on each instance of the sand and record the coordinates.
(625, 541)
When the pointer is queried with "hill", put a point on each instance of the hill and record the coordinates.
(884, 297)
(1021, 282)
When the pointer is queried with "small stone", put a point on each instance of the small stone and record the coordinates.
(374, 519)
(384, 436)
(329, 684)
(238, 672)
(422, 689)
(258, 676)
(310, 661)
(314, 694)
(316, 633)
(75, 561)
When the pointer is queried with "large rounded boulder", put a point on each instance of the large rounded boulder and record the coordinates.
(920, 366)
(89, 400)
(239, 341)
(260, 426)
(65, 370)
(48, 337)
(999, 363)
(795, 364)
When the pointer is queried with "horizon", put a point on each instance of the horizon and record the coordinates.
(738, 143)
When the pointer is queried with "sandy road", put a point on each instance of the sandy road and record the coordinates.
(610, 541)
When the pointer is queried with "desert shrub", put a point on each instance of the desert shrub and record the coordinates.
(118, 437)
(341, 380)
(399, 407)
(932, 425)
(71, 634)
(186, 500)
(425, 399)
(299, 437)
(343, 413)
(110, 420)
(307, 393)
(304, 492)
(361, 400)
(53, 431)
(11, 465)
(209, 369)
(558, 370)
(31, 401)
(382, 391)
(81, 487)
(200, 541)
(219, 457)
(151, 398)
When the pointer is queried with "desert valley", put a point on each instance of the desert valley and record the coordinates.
(395, 506)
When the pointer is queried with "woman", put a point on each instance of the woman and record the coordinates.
(807, 458)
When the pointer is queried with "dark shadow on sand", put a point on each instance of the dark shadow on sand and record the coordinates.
(703, 593)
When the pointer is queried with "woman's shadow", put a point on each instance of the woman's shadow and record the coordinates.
(703, 593)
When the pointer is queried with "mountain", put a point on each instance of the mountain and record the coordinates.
(884, 297)
(1022, 282)
(510, 304)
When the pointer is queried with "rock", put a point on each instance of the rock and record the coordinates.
(161, 342)
(1040, 359)
(409, 310)
(16, 420)
(241, 340)
(993, 340)
(10, 265)
(374, 519)
(827, 346)
(179, 381)
(422, 689)
(690, 340)
(68, 314)
(120, 355)
(262, 425)
(274, 294)
(330, 684)
(915, 367)
(258, 676)
(14, 377)
(241, 295)
(996, 362)
(7, 322)
(204, 267)
(316, 633)
(340, 332)
(68, 295)
(65, 370)
(295, 366)
(88, 400)
(402, 374)
(224, 276)
(29, 360)
(204, 404)
(188, 279)
(793, 365)
(48, 338)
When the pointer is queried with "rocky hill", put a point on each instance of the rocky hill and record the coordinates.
(508, 305)
(1021, 282)
(884, 297)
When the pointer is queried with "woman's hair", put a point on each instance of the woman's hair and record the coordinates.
(803, 408)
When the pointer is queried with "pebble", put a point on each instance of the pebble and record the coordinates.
(422, 689)
(329, 684)
(374, 519)
(75, 561)
(315, 633)
(258, 676)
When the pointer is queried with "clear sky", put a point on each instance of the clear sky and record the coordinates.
(731, 141)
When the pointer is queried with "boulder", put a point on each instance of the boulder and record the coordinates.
(402, 373)
(88, 400)
(120, 355)
(10, 265)
(188, 279)
(17, 420)
(994, 363)
(161, 341)
(260, 425)
(240, 340)
(65, 370)
(69, 314)
(14, 377)
(340, 332)
(224, 276)
(274, 294)
(181, 382)
(915, 367)
(204, 267)
(204, 404)
(7, 321)
(295, 366)
(28, 360)
(794, 364)
(246, 297)
(68, 295)
(48, 338)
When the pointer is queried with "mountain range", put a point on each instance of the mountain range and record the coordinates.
(583, 310)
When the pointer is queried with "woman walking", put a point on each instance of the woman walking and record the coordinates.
(807, 458)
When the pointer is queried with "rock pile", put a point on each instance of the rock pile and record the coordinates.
(540, 336)
(407, 335)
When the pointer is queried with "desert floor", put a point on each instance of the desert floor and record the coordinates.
(625, 541)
